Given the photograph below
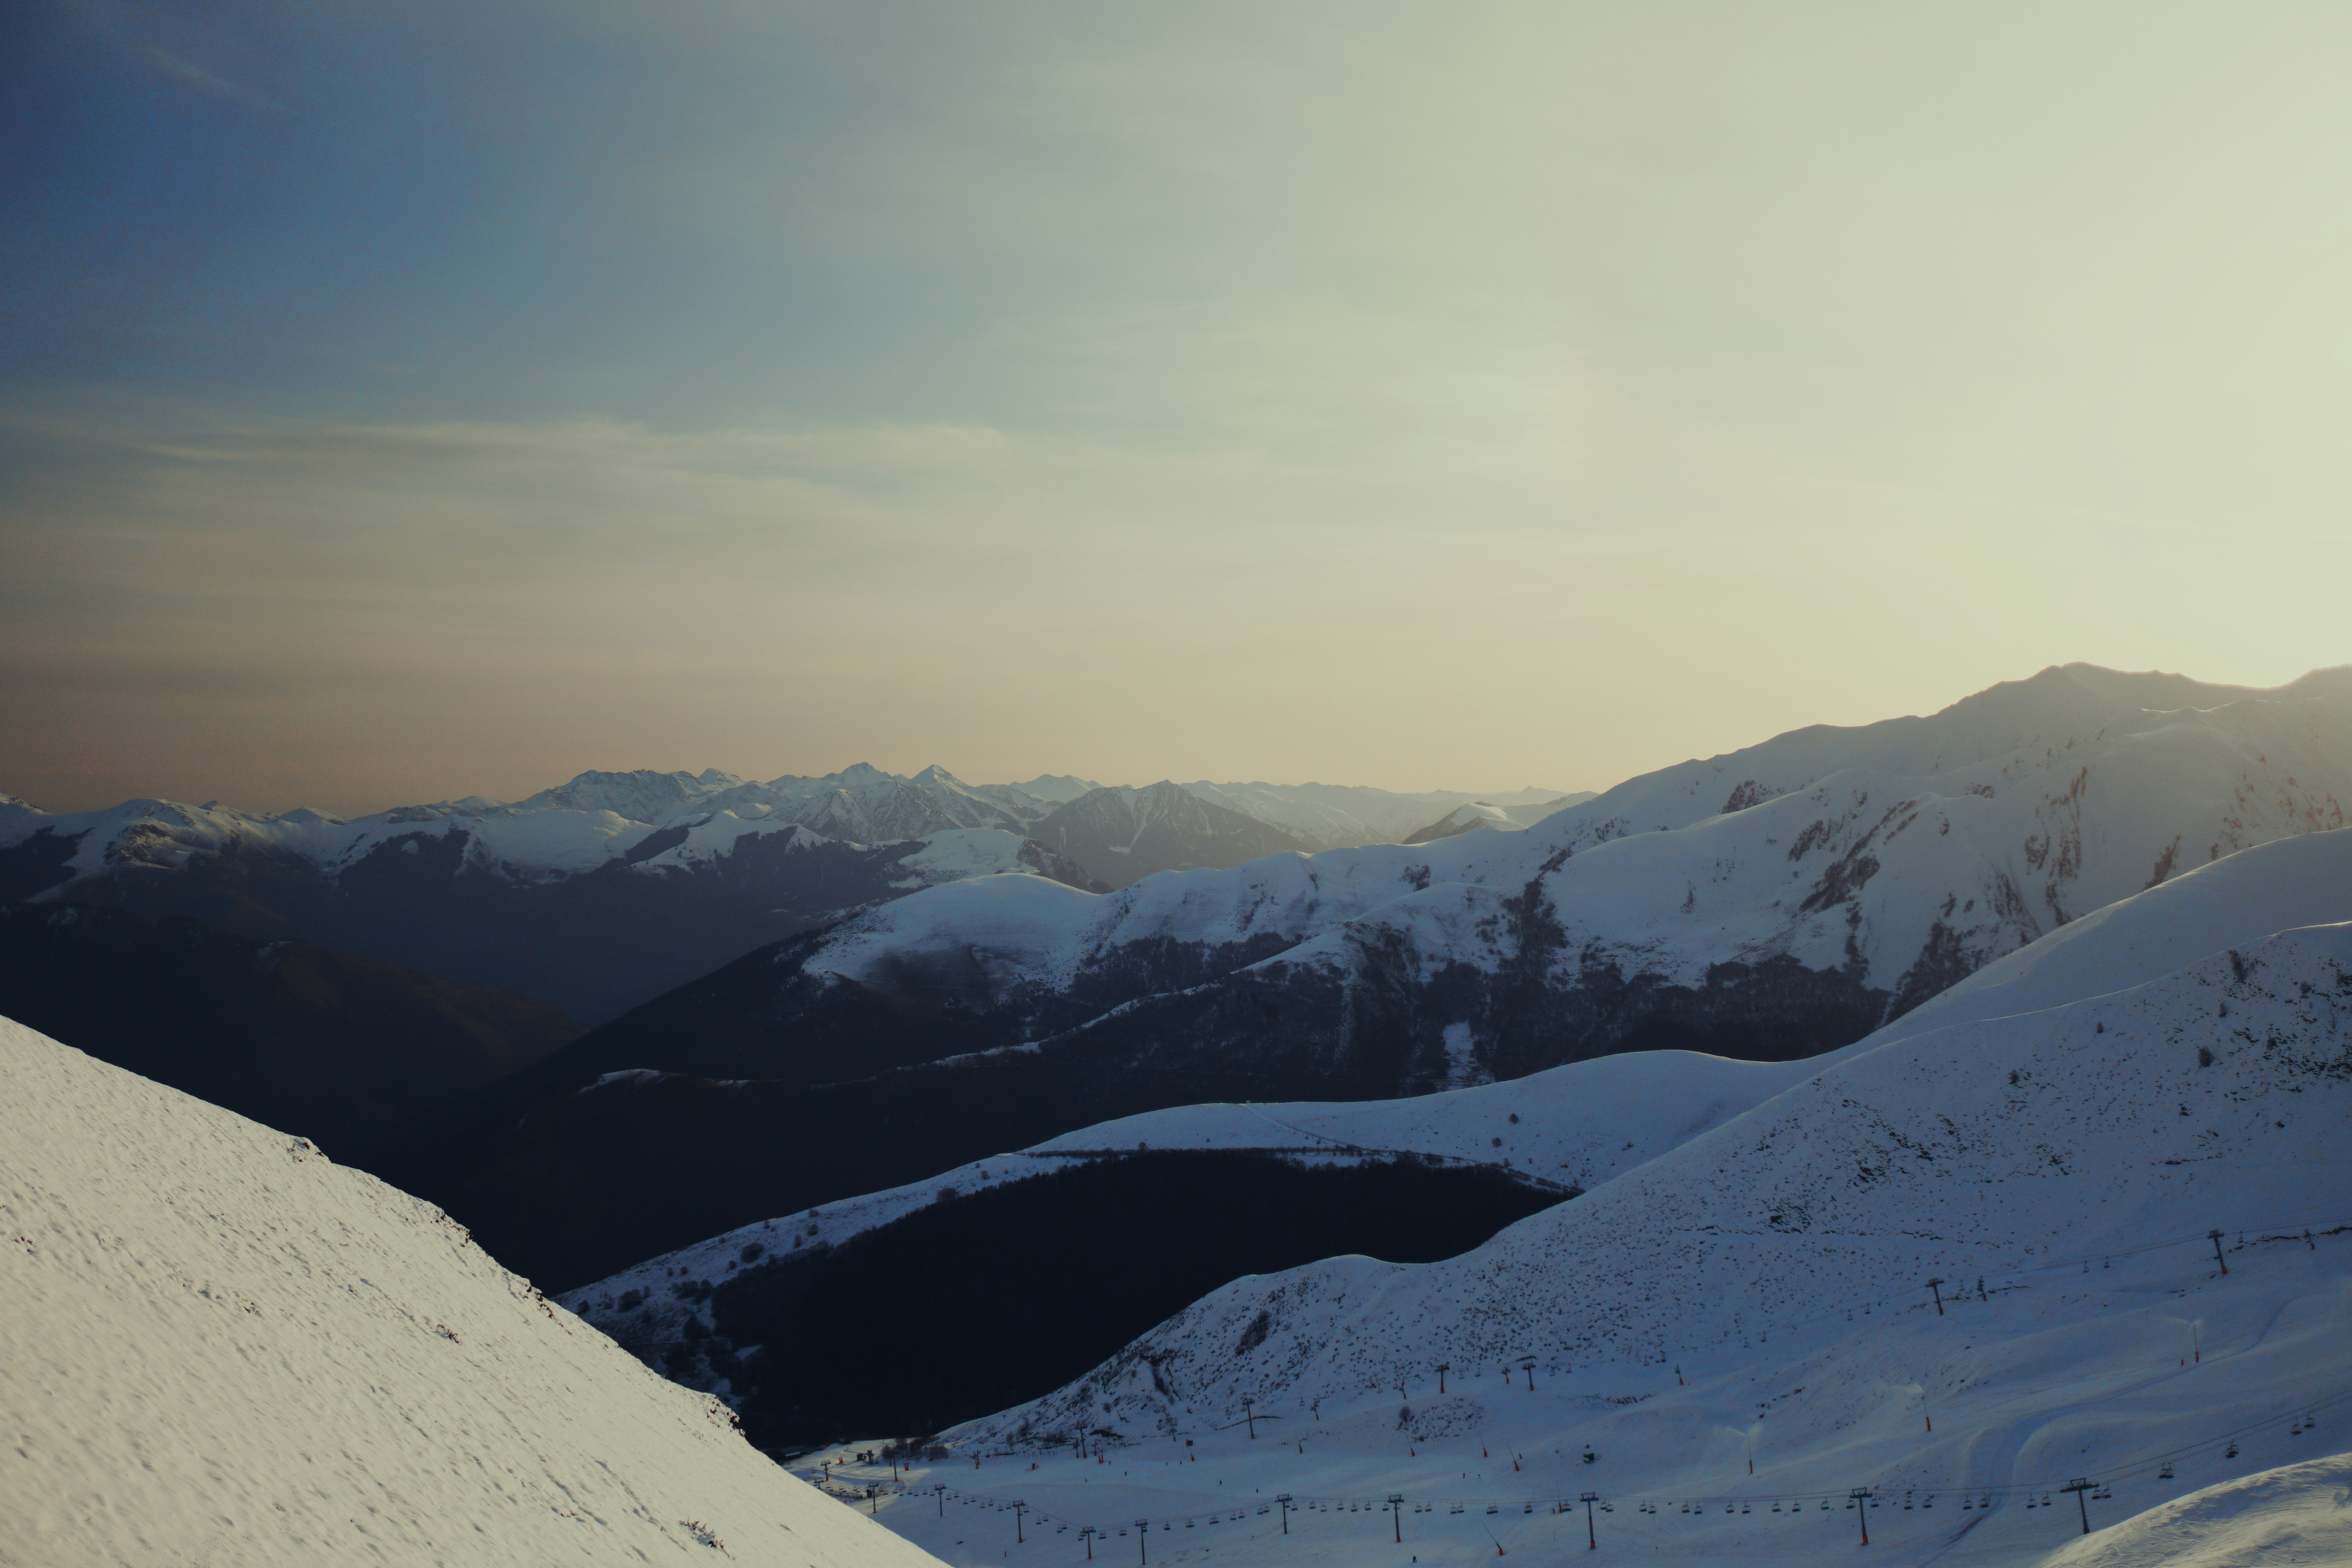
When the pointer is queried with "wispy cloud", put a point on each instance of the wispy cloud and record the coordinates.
(135, 29)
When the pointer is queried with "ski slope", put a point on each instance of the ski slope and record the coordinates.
(1762, 1294)
(217, 1346)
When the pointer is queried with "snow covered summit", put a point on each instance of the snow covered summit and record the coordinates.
(217, 1346)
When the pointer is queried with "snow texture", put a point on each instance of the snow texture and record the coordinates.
(219, 1347)
(2295, 1516)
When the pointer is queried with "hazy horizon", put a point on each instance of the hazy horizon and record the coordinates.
(404, 403)
(360, 805)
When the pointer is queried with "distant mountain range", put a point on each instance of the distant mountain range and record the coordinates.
(605, 891)
(1768, 904)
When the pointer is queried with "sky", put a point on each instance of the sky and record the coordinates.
(402, 401)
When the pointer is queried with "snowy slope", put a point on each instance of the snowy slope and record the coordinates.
(2295, 1516)
(222, 1348)
(1763, 1290)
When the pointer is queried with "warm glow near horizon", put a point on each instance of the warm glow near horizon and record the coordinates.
(402, 403)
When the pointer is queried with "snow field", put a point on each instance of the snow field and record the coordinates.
(217, 1346)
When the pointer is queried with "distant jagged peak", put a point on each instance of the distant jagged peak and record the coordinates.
(938, 777)
(2094, 687)
(626, 793)
(1054, 789)
(850, 777)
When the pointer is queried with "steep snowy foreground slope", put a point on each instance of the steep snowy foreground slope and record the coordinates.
(1961, 1265)
(215, 1346)
(2295, 1516)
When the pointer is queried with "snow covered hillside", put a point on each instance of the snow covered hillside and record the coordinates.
(1771, 903)
(222, 1348)
(1961, 1265)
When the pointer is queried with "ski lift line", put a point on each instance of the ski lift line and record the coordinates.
(2310, 1232)
(1525, 1502)
(2014, 1278)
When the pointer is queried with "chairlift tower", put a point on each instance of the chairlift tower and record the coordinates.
(1284, 1498)
(2078, 1486)
(1528, 1366)
(1591, 1536)
(1861, 1496)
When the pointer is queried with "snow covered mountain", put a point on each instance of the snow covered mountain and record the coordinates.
(561, 897)
(222, 1347)
(609, 890)
(1962, 1262)
(1818, 893)
(1123, 836)
(1054, 789)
